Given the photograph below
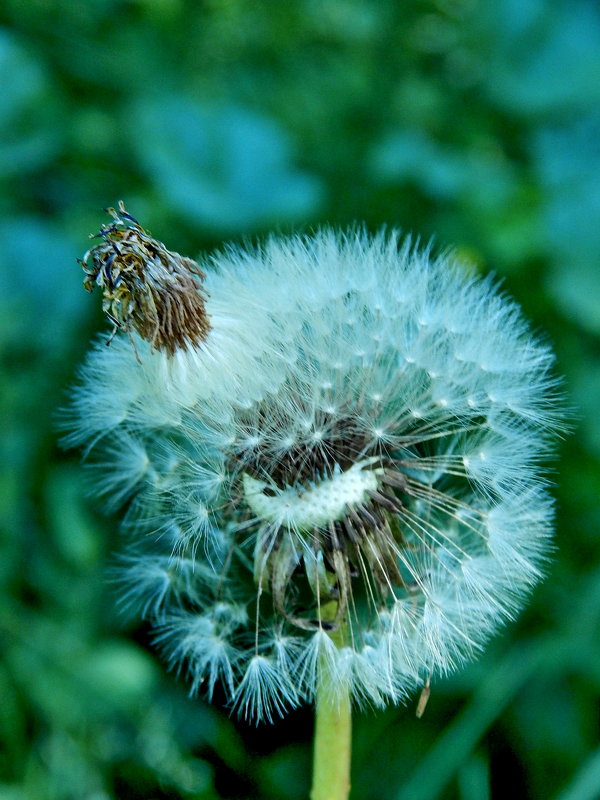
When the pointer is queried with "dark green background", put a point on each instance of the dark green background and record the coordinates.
(474, 122)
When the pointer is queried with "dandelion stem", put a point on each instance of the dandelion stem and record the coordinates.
(333, 731)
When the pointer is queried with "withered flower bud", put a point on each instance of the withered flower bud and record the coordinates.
(145, 286)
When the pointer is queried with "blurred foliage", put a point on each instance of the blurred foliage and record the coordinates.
(474, 122)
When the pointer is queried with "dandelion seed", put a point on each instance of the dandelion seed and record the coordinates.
(264, 690)
(359, 427)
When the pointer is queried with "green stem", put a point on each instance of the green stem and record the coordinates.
(333, 737)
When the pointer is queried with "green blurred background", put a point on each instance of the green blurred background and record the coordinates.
(476, 122)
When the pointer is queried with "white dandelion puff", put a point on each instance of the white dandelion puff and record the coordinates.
(198, 644)
(328, 422)
(264, 691)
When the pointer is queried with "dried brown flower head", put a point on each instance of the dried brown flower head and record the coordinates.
(146, 287)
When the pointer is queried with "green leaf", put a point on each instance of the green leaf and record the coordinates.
(224, 168)
(28, 136)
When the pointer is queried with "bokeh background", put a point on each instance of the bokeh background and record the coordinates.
(477, 123)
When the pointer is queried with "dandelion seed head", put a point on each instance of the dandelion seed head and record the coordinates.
(361, 427)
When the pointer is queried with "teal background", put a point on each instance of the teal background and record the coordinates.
(474, 122)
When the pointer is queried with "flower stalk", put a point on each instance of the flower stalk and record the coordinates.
(333, 729)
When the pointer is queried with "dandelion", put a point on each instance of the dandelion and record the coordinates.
(343, 433)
